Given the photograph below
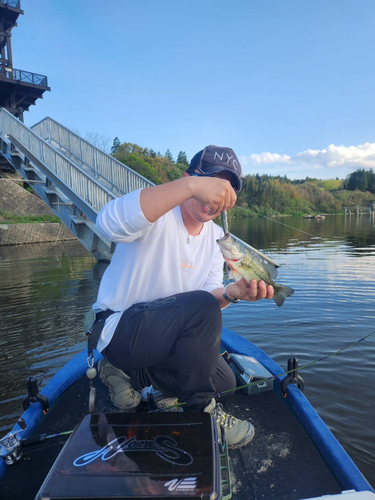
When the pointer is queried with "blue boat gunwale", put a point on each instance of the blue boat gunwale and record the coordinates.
(342, 466)
(337, 459)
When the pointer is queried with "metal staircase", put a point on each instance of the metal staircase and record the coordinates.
(73, 177)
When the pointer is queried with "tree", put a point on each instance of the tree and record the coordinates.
(142, 167)
(115, 146)
(182, 158)
(100, 141)
(168, 154)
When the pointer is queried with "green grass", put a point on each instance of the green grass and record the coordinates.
(26, 219)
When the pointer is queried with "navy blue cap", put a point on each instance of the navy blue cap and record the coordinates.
(213, 160)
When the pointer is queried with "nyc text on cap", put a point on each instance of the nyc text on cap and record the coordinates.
(214, 159)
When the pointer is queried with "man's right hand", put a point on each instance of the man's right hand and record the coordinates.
(214, 193)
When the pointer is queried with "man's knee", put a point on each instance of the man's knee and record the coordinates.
(206, 301)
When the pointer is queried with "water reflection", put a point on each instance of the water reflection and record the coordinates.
(268, 235)
(46, 291)
(43, 302)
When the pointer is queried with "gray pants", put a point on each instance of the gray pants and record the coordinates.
(173, 344)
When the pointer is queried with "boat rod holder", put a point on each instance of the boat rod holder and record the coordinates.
(292, 377)
(33, 395)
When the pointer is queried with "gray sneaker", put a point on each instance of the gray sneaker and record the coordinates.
(123, 396)
(238, 432)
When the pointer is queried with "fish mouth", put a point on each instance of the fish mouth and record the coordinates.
(224, 238)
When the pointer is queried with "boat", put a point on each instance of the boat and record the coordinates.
(293, 455)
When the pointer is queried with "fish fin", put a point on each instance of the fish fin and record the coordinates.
(281, 293)
(234, 275)
(271, 269)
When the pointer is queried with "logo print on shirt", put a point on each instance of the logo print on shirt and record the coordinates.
(187, 266)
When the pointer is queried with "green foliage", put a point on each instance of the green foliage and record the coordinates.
(141, 166)
(351, 199)
(22, 219)
(182, 158)
(147, 162)
(261, 194)
(268, 195)
(330, 184)
(361, 179)
(168, 155)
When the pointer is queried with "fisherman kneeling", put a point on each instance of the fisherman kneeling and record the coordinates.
(160, 299)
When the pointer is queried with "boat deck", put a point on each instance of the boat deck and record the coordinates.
(280, 463)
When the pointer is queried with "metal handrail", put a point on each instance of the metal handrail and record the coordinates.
(24, 76)
(86, 187)
(120, 177)
(12, 3)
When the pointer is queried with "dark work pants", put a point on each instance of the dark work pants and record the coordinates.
(174, 345)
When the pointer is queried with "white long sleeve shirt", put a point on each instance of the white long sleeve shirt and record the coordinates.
(153, 260)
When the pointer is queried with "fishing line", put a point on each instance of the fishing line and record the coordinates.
(278, 222)
(273, 377)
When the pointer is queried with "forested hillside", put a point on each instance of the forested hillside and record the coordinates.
(263, 194)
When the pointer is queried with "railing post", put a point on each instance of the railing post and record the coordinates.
(95, 160)
(49, 130)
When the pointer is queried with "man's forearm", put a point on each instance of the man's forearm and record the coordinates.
(214, 193)
(158, 200)
(218, 294)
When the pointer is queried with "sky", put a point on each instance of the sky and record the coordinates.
(288, 84)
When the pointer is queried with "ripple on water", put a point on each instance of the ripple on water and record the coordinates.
(44, 301)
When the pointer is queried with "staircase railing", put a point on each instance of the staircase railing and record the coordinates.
(85, 186)
(119, 176)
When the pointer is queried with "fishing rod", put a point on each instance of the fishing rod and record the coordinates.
(41, 438)
(273, 377)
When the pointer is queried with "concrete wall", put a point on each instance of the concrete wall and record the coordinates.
(14, 199)
(37, 232)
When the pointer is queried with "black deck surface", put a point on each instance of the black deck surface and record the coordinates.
(279, 464)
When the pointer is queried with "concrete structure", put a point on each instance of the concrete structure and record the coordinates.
(39, 232)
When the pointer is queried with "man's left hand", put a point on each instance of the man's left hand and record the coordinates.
(251, 292)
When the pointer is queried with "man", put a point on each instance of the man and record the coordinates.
(161, 296)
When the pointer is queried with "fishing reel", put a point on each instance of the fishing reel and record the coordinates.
(10, 445)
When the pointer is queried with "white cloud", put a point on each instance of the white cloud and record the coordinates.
(264, 158)
(351, 157)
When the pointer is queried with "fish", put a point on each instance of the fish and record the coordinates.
(246, 264)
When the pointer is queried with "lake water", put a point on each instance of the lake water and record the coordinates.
(45, 291)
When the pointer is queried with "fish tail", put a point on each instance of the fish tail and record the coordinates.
(281, 294)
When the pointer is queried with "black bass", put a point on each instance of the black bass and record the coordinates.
(246, 264)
